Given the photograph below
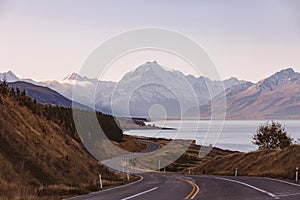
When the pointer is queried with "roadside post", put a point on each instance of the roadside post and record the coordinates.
(100, 178)
(128, 177)
(236, 172)
(123, 168)
(296, 178)
(159, 165)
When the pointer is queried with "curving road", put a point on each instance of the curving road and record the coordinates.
(121, 163)
(231, 188)
(151, 186)
(170, 186)
(151, 146)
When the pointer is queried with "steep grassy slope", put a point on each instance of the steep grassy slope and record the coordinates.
(38, 160)
(279, 163)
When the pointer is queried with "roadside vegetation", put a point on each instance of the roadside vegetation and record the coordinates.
(41, 155)
(61, 115)
(272, 135)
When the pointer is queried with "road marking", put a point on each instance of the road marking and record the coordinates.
(250, 186)
(139, 194)
(109, 189)
(281, 181)
(194, 191)
(287, 195)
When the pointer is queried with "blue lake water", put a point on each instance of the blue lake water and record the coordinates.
(233, 135)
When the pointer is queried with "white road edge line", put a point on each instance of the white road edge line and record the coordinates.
(250, 186)
(287, 195)
(281, 181)
(121, 186)
(139, 194)
(108, 189)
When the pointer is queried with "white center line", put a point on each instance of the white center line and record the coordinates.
(141, 193)
(250, 186)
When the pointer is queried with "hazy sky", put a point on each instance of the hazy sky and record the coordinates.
(247, 39)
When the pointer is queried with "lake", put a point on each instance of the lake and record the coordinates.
(230, 134)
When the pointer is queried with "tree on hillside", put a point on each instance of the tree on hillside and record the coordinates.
(271, 135)
(4, 87)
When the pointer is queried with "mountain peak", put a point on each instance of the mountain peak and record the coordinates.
(72, 76)
(285, 74)
(8, 76)
(150, 64)
(277, 80)
(153, 62)
(149, 67)
(76, 77)
(287, 71)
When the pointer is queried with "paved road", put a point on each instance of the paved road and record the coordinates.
(122, 163)
(231, 188)
(152, 186)
(169, 186)
(151, 146)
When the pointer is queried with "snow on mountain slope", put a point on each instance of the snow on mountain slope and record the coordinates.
(153, 84)
(85, 88)
(8, 76)
(147, 85)
(275, 97)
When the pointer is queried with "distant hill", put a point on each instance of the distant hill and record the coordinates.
(45, 95)
(42, 94)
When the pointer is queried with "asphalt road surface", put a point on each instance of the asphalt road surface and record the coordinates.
(231, 188)
(151, 146)
(170, 186)
(151, 186)
(121, 163)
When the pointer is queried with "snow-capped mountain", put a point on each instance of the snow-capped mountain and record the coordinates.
(207, 89)
(151, 84)
(77, 77)
(156, 85)
(148, 85)
(8, 76)
(85, 88)
(277, 96)
(277, 80)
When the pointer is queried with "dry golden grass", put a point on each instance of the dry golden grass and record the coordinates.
(131, 144)
(39, 161)
(279, 163)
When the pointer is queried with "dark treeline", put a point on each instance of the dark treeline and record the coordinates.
(62, 116)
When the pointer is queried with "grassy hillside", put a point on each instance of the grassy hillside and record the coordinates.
(279, 163)
(276, 163)
(41, 156)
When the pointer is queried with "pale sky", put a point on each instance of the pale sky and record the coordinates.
(246, 39)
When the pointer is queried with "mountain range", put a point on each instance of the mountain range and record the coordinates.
(275, 97)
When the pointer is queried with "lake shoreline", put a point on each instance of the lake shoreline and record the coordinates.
(233, 135)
